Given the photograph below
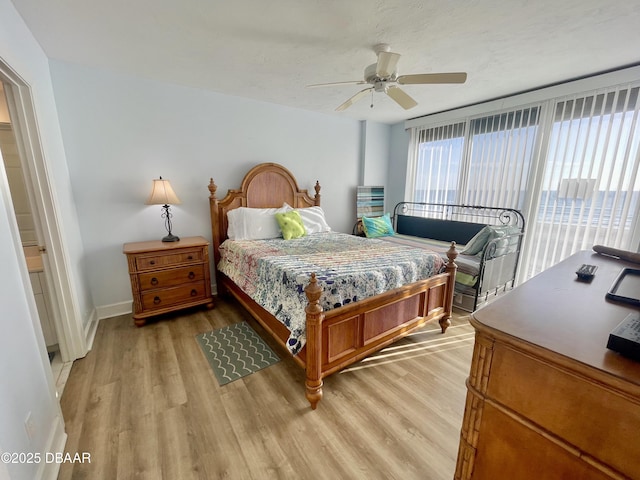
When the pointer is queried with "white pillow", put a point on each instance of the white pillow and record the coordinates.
(312, 218)
(253, 223)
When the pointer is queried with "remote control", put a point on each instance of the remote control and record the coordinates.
(586, 272)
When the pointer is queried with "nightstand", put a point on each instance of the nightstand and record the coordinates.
(168, 276)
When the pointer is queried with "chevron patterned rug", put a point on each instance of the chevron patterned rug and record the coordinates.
(235, 351)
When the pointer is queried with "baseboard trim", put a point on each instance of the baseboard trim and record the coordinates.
(114, 310)
(124, 308)
(90, 330)
(55, 444)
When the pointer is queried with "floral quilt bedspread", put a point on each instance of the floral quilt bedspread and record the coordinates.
(275, 272)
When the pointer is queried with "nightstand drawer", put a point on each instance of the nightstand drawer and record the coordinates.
(153, 262)
(173, 296)
(171, 278)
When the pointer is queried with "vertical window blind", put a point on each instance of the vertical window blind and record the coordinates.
(434, 175)
(570, 164)
(501, 148)
(483, 161)
(589, 194)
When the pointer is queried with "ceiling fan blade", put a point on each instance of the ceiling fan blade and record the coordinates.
(422, 78)
(401, 98)
(335, 84)
(353, 99)
(387, 62)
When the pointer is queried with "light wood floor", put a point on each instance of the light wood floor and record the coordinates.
(145, 404)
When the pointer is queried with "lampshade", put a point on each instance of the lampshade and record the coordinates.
(162, 194)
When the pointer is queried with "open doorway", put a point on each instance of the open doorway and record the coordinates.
(32, 247)
(67, 334)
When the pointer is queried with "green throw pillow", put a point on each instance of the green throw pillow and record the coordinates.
(291, 225)
(377, 226)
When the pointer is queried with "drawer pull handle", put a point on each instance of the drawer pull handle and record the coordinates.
(152, 262)
(194, 292)
(190, 257)
(154, 281)
(156, 300)
(192, 275)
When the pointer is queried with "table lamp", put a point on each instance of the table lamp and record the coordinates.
(163, 194)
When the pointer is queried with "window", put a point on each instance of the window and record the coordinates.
(486, 164)
(437, 168)
(571, 164)
(501, 148)
(590, 188)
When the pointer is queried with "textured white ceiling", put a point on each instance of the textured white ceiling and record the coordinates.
(270, 49)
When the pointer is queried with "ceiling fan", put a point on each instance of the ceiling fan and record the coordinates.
(383, 77)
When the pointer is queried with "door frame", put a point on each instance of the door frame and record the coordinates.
(68, 322)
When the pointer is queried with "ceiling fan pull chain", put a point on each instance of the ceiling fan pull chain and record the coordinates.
(371, 98)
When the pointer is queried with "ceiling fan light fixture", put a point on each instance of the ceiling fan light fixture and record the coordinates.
(383, 77)
(380, 87)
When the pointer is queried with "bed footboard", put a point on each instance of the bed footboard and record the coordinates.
(340, 337)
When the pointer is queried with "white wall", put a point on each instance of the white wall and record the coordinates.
(397, 173)
(120, 132)
(26, 384)
(375, 151)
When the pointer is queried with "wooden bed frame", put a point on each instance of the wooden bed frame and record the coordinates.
(342, 336)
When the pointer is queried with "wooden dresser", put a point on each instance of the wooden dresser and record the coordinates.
(545, 398)
(168, 276)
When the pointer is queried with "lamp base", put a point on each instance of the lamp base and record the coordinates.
(170, 238)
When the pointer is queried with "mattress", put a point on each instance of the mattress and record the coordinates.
(275, 272)
(468, 265)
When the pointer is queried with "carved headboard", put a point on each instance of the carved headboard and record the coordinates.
(267, 185)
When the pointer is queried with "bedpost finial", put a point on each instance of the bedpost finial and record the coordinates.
(317, 189)
(212, 188)
(452, 253)
(313, 292)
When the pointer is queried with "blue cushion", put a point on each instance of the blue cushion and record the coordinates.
(438, 229)
(377, 226)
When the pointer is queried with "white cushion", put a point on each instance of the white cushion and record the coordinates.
(312, 218)
(253, 223)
